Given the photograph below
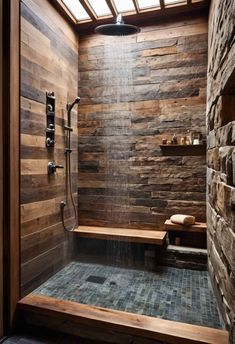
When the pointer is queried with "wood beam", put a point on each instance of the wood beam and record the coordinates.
(112, 8)
(162, 4)
(189, 2)
(64, 11)
(11, 130)
(135, 2)
(71, 315)
(89, 9)
(1, 179)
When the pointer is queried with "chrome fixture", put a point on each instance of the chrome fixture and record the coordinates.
(118, 29)
(68, 152)
(51, 167)
(50, 119)
(69, 108)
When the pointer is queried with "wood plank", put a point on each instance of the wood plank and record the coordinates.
(49, 62)
(122, 234)
(191, 150)
(1, 172)
(197, 227)
(12, 129)
(167, 331)
(36, 266)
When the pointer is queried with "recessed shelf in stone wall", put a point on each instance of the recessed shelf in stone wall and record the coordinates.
(173, 149)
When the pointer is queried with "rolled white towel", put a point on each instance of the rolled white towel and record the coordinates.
(183, 219)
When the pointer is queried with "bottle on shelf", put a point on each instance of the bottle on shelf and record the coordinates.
(188, 138)
(174, 140)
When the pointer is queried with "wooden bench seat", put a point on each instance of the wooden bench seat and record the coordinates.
(122, 234)
(197, 227)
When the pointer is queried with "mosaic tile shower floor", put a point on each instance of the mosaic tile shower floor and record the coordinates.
(169, 293)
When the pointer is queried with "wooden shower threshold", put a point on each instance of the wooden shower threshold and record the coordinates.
(68, 316)
(122, 234)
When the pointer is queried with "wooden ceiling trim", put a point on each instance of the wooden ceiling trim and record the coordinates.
(135, 2)
(63, 9)
(89, 9)
(112, 7)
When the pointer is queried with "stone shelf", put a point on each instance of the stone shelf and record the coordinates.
(173, 149)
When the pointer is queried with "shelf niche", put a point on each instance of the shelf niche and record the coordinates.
(176, 149)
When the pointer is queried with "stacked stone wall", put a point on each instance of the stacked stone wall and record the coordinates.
(221, 156)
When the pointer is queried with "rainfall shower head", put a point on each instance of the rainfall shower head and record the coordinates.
(118, 29)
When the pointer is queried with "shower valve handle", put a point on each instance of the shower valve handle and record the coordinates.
(51, 167)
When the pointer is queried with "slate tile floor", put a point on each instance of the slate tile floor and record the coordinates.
(168, 293)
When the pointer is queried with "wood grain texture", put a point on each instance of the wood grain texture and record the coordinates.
(12, 177)
(49, 62)
(170, 332)
(168, 64)
(1, 174)
(122, 234)
(197, 227)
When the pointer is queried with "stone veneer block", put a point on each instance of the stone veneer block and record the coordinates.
(221, 157)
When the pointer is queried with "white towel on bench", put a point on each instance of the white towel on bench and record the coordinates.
(183, 219)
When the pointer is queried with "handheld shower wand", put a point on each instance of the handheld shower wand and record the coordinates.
(69, 108)
(68, 152)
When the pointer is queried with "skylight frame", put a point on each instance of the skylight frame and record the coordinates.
(133, 11)
(73, 13)
(149, 7)
(103, 14)
(175, 3)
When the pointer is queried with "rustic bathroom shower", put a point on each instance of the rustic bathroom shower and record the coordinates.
(113, 171)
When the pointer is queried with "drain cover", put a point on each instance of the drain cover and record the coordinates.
(96, 279)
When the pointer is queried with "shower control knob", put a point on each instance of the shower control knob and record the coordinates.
(51, 167)
(50, 142)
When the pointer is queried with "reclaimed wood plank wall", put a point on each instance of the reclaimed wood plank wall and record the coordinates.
(168, 95)
(49, 62)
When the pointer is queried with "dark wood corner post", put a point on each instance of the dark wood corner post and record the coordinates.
(11, 159)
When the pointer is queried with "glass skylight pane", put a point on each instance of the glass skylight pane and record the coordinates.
(76, 9)
(148, 3)
(124, 5)
(100, 7)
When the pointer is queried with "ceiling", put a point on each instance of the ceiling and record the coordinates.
(86, 14)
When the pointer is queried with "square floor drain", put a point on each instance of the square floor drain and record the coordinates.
(96, 279)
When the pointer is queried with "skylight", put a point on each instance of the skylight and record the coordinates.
(124, 5)
(76, 9)
(148, 3)
(100, 7)
(87, 13)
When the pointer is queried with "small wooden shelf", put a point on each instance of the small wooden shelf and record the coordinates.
(122, 234)
(197, 227)
(173, 149)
